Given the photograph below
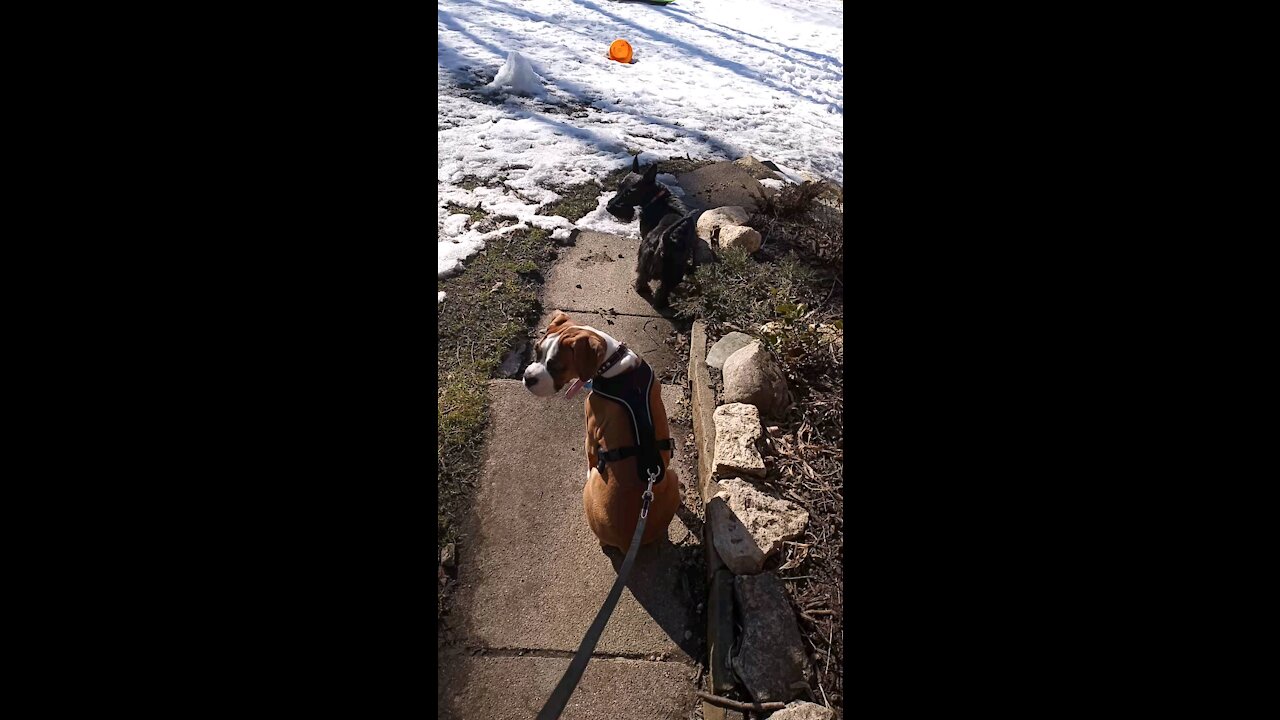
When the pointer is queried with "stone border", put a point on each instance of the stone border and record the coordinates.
(720, 589)
(722, 601)
(703, 396)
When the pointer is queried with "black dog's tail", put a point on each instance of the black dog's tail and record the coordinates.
(684, 235)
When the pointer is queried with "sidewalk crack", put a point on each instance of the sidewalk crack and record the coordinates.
(565, 654)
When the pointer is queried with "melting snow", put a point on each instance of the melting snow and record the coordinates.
(711, 79)
(517, 76)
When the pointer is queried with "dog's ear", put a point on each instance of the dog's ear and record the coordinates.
(635, 163)
(587, 349)
(651, 173)
(558, 322)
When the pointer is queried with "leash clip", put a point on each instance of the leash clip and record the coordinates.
(648, 493)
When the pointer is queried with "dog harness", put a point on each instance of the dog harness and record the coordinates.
(631, 390)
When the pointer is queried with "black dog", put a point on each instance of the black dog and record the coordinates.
(668, 231)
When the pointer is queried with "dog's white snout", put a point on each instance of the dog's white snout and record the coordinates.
(538, 381)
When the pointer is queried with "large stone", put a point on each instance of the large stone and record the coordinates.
(771, 658)
(737, 430)
(801, 710)
(740, 236)
(747, 526)
(449, 556)
(726, 346)
(757, 169)
(711, 221)
(720, 184)
(751, 375)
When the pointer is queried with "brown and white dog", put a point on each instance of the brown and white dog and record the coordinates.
(571, 354)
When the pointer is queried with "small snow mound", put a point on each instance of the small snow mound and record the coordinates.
(455, 224)
(517, 76)
(771, 183)
(440, 297)
(560, 234)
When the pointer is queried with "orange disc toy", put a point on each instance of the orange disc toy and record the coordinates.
(620, 50)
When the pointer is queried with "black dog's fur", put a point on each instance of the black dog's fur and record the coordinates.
(668, 231)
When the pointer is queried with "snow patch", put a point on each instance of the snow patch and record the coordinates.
(455, 224)
(601, 221)
(450, 254)
(440, 297)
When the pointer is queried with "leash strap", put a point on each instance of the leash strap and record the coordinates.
(560, 696)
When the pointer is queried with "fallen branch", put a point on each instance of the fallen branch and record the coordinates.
(740, 706)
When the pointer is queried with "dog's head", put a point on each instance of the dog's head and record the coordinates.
(567, 354)
(637, 188)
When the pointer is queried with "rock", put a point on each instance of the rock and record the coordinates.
(719, 184)
(756, 169)
(737, 430)
(710, 222)
(751, 375)
(726, 346)
(801, 710)
(511, 364)
(449, 556)
(740, 236)
(771, 656)
(747, 526)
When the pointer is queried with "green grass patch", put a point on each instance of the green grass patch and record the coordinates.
(490, 308)
(575, 201)
(476, 213)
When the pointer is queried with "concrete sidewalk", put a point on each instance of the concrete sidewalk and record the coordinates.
(532, 576)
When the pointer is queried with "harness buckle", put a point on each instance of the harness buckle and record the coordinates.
(648, 493)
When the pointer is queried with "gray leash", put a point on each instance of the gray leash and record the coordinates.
(560, 696)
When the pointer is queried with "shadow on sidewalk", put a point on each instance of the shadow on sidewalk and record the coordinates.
(663, 582)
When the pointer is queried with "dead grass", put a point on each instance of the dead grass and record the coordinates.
(794, 221)
(490, 308)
